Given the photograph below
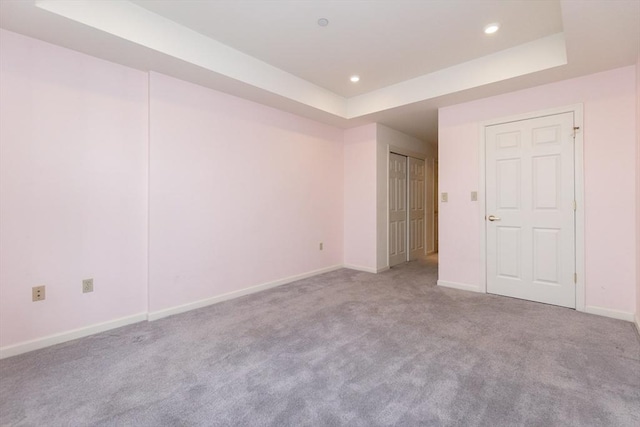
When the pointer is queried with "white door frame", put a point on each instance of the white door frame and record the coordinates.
(577, 110)
(402, 152)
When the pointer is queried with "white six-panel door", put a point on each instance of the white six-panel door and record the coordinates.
(416, 208)
(530, 213)
(397, 209)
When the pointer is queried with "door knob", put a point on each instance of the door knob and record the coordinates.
(493, 218)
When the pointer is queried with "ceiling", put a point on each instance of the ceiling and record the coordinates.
(385, 42)
(412, 56)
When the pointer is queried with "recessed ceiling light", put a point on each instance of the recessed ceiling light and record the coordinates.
(491, 28)
(354, 79)
(323, 22)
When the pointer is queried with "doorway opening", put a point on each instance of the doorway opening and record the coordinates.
(411, 207)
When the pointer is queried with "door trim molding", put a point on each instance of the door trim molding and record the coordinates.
(577, 110)
(406, 153)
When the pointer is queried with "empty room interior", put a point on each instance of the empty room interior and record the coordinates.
(290, 213)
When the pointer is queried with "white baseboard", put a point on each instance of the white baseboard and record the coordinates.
(638, 319)
(607, 312)
(155, 315)
(36, 344)
(461, 286)
(366, 269)
(360, 268)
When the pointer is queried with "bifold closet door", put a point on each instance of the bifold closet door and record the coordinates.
(416, 208)
(397, 209)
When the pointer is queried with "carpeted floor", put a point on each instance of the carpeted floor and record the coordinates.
(343, 348)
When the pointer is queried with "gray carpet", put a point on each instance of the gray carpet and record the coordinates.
(344, 348)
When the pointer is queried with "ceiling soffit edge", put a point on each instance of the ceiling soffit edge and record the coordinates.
(143, 27)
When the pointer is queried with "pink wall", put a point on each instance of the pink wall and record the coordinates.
(360, 197)
(366, 152)
(638, 193)
(73, 200)
(610, 167)
(459, 219)
(240, 194)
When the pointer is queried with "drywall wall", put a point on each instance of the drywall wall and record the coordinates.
(459, 219)
(73, 199)
(388, 138)
(638, 193)
(240, 195)
(74, 191)
(609, 100)
(360, 198)
(243, 195)
(366, 184)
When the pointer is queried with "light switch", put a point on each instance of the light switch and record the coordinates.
(474, 196)
(445, 197)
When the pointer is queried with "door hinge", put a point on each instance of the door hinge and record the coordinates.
(575, 130)
(575, 277)
(575, 206)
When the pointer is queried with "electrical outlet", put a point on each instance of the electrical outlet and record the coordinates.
(87, 286)
(37, 293)
(321, 246)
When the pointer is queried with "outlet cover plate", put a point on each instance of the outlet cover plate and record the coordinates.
(87, 286)
(37, 293)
